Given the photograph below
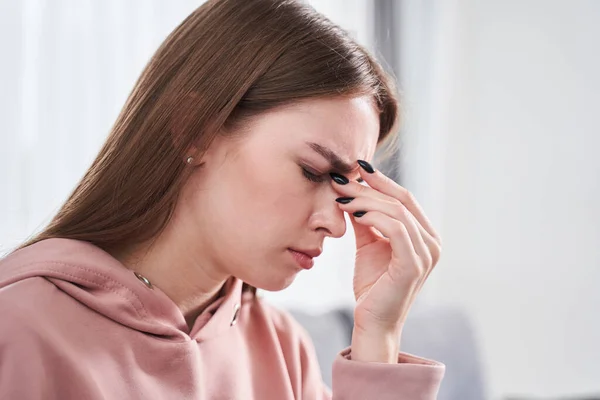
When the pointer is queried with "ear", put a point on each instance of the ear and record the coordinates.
(191, 157)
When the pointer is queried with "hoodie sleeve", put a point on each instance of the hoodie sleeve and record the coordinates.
(412, 378)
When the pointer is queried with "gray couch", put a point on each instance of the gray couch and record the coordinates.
(442, 334)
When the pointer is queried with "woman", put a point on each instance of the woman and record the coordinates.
(237, 153)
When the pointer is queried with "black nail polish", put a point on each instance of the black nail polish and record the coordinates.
(344, 200)
(366, 166)
(359, 213)
(341, 179)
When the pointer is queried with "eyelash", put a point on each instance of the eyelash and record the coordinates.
(319, 178)
(312, 177)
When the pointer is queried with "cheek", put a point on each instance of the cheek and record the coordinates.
(247, 209)
(271, 189)
(270, 211)
(260, 206)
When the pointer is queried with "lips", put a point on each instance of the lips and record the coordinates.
(303, 260)
(312, 253)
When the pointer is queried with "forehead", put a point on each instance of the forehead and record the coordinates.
(348, 126)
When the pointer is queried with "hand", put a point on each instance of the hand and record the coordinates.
(396, 250)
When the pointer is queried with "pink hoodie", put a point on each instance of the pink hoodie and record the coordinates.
(76, 324)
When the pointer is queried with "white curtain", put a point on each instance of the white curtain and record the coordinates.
(67, 68)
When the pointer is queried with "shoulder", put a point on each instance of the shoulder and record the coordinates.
(24, 307)
(27, 329)
(30, 355)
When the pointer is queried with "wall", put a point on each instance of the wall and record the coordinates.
(502, 150)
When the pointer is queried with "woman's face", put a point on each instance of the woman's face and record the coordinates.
(256, 197)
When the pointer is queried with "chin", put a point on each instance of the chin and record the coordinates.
(272, 284)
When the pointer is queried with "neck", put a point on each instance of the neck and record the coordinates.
(190, 283)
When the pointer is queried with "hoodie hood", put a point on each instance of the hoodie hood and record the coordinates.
(102, 283)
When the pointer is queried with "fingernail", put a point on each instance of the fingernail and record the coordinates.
(366, 166)
(344, 200)
(341, 179)
(359, 213)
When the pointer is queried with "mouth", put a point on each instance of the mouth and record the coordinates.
(304, 258)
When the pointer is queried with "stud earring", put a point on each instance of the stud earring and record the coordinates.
(189, 160)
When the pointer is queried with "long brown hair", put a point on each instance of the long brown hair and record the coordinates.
(226, 62)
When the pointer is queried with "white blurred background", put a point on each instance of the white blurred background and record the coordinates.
(502, 105)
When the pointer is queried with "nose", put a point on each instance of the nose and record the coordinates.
(328, 217)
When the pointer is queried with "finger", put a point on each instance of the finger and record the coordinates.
(400, 242)
(354, 189)
(365, 234)
(397, 211)
(435, 250)
(380, 182)
(357, 190)
(426, 247)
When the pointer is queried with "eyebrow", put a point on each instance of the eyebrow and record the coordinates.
(336, 162)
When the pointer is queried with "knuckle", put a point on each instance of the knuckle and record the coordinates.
(436, 254)
(427, 260)
(415, 272)
(439, 242)
(409, 197)
(405, 212)
(401, 210)
(361, 189)
(399, 229)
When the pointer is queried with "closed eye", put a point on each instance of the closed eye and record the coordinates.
(312, 177)
(320, 178)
